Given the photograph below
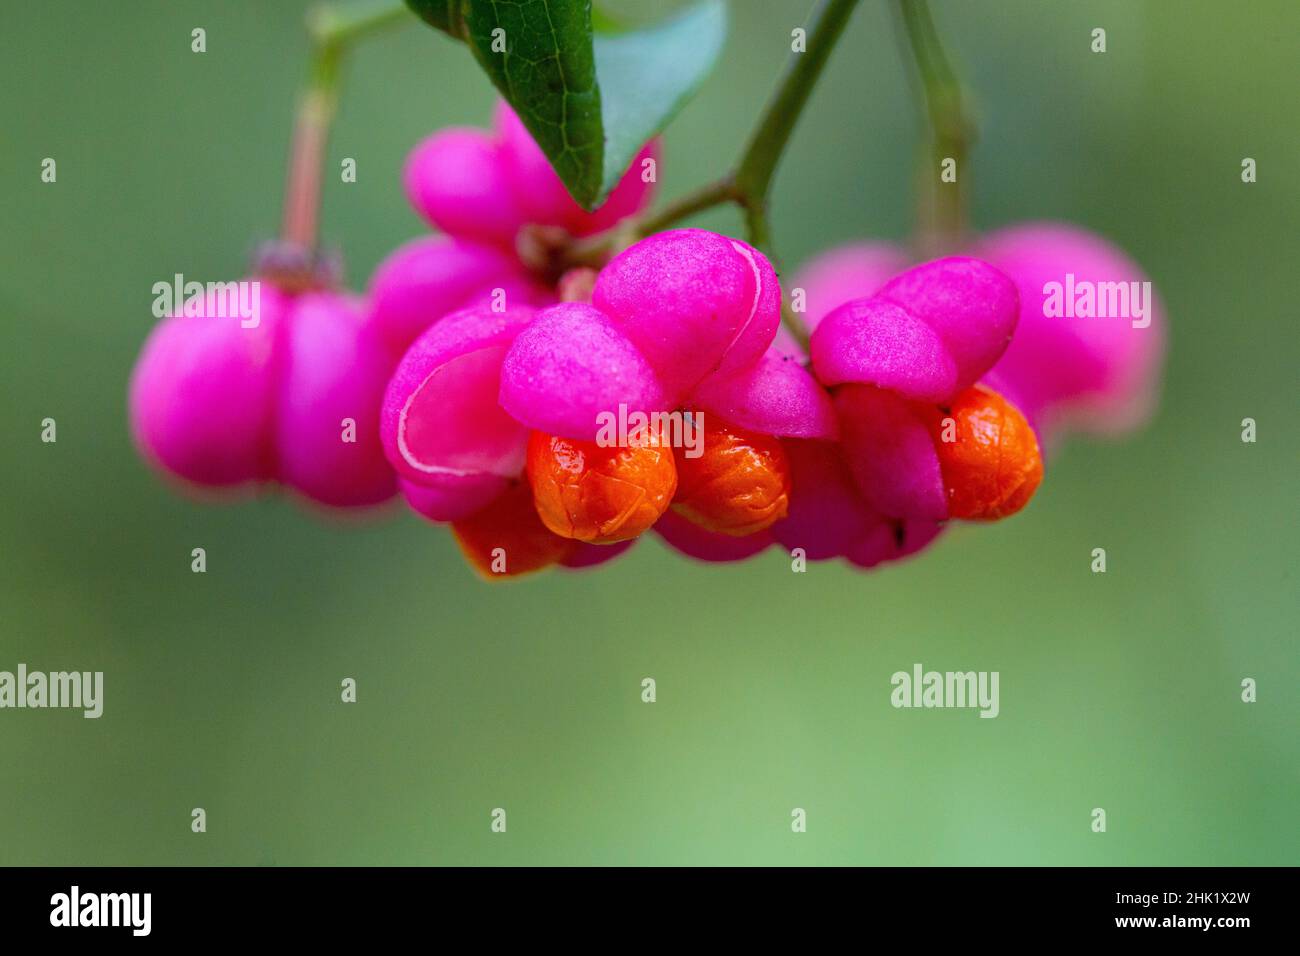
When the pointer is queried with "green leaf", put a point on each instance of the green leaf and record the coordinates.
(547, 73)
(545, 59)
(647, 76)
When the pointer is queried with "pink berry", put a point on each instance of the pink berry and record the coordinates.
(486, 186)
(829, 518)
(1098, 374)
(927, 334)
(202, 395)
(294, 398)
(775, 396)
(844, 273)
(693, 302)
(894, 542)
(890, 452)
(827, 514)
(482, 189)
(441, 417)
(452, 497)
(327, 415)
(428, 277)
(682, 317)
(571, 364)
(542, 197)
(877, 342)
(457, 180)
(704, 545)
(970, 305)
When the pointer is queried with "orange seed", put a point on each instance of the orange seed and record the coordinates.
(988, 455)
(740, 483)
(600, 494)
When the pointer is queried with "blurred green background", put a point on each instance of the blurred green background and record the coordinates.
(222, 690)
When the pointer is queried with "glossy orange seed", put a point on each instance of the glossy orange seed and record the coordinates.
(988, 455)
(739, 484)
(597, 494)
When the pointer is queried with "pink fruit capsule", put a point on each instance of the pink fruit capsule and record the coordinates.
(693, 302)
(428, 277)
(203, 392)
(440, 412)
(331, 385)
(542, 197)
(457, 180)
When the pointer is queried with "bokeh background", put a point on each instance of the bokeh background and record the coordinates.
(1119, 691)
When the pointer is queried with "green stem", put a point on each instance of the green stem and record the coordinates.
(942, 224)
(706, 197)
(752, 181)
(333, 29)
(758, 163)
(341, 23)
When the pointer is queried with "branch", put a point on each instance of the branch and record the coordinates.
(943, 220)
(333, 29)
